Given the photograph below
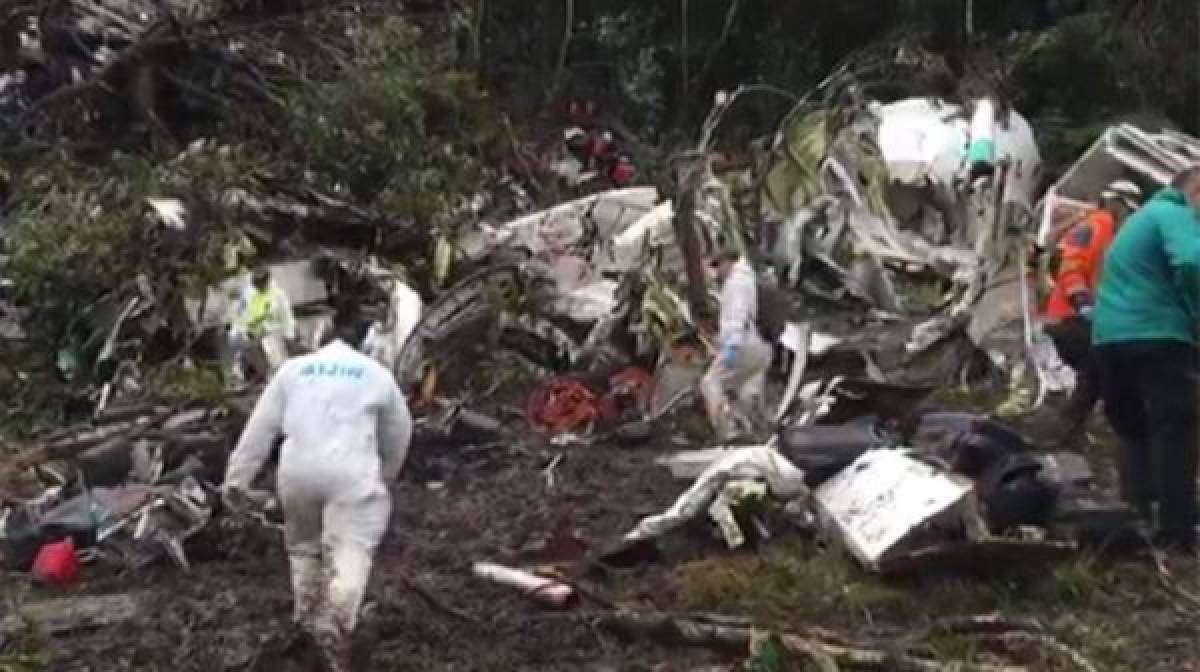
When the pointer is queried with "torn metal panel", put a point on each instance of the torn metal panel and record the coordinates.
(563, 347)
(799, 341)
(470, 303)
(885, 502)
(160, 526)
(570, 224)
(1122, 151)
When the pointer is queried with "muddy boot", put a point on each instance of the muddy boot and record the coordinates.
(335, 652)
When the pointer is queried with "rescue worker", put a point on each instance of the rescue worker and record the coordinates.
(1145, 332)
(743, 357)
(262, 326)
(346, 428)
(1069, 308)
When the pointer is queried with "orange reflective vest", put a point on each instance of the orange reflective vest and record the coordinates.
(1083, 249)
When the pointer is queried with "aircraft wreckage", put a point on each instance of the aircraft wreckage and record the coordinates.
(892, 242)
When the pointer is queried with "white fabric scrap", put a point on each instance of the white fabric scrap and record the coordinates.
(783, 479)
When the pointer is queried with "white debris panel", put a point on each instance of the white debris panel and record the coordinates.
(757, 463)
(878, 506)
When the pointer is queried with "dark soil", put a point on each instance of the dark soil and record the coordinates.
(458, 505)
(450, 510)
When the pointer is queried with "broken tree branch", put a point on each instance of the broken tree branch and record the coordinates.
(71, 446)
(726, 29)
(975, 625)
(681, 631)
(65, 615)
(683, 52)
(684, 223)
(431, 599)
(1172, 587)
(564, 46)
(157, 36)
(1048, 642)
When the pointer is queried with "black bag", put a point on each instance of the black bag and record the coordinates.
(1013, 494)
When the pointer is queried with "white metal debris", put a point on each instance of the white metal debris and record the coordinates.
(756, 463)
(876, 504)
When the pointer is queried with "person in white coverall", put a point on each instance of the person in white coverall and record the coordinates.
(347, 429)
(743, 357)
(262, 324)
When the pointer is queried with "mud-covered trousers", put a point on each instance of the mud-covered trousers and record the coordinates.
(746, 379)
(331, 541)
(1073, 339)
(1150, 398)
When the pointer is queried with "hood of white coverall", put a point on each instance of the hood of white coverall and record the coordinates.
(739, 304)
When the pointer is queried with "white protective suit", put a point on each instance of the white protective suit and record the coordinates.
(347, 429)
(737, 339)
(277, 330)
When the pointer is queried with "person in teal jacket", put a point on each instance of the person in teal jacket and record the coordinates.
(1144, 327)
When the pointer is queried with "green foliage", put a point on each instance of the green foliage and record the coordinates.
(1077, 77)
(24, 662)
(382, 121)
(81, 230)
(398, 129)
(31, 395)
(193, 382)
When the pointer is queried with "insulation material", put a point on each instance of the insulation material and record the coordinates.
(879, 505)
(758, 463)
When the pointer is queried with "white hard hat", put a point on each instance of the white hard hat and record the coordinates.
(1124, 191)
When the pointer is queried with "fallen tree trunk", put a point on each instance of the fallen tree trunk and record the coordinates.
(69, 614)
(684, 224)
(827, 655)
(187, 424)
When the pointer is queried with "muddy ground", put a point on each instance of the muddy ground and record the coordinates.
(456, 506)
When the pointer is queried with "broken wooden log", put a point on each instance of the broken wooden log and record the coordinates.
(681, 631)
(684, 223)
(189, 424)
(1045, 641)
(548, 591)
(71, 614)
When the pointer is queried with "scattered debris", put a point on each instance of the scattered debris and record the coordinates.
(722, 484)
(892, 237)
